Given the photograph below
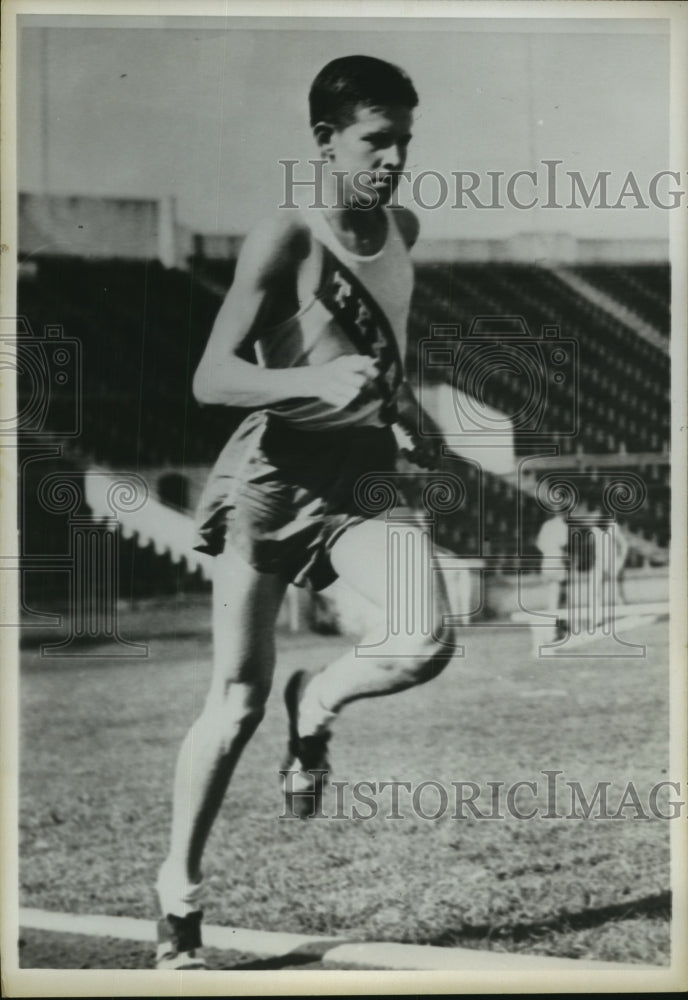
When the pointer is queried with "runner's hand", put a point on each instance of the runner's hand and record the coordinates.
(341, 381)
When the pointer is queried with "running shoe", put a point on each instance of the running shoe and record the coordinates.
(303, 784)
(179, 941)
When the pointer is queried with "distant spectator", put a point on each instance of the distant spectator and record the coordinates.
(602, 571)
(553, 543)
(622, 548)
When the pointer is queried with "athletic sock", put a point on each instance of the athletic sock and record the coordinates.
(314, 718)
(177, 895)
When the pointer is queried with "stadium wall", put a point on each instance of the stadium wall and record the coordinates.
(109, 228)
(148, 229)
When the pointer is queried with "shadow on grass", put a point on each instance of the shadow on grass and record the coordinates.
(305, 954)
(658, 905)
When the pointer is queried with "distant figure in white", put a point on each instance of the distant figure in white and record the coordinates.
(553, 543)
(607, 573)
(592, 577)
(622, 547)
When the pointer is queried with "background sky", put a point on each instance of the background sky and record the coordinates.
(204, 109)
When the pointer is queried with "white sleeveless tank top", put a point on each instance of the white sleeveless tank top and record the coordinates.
(313, 336)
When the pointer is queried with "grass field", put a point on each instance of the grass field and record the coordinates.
(99, 739)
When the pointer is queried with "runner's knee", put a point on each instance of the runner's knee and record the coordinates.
(427, 657)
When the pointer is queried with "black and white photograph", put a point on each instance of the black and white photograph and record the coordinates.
(343, 463)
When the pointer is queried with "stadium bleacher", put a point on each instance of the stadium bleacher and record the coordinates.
(142, 329)
(643, 288)
(624, 381)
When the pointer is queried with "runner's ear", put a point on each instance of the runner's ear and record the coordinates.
(323, 132)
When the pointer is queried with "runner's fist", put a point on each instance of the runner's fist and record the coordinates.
(341, 381)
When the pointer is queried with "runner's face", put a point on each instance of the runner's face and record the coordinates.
(371, 151)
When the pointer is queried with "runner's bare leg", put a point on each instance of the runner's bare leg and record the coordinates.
(245, 607)
(360, 558)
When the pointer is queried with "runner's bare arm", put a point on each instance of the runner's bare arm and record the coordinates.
(267, 263)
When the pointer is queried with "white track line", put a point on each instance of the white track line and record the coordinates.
(383, 955)
(234, 938)
(415, 957)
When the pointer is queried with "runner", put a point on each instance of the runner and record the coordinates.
(323, 295)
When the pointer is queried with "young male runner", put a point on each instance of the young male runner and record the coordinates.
(324, 296)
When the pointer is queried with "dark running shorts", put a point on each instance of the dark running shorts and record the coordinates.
(284, 496)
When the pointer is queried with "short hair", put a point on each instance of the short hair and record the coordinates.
(346, 83)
